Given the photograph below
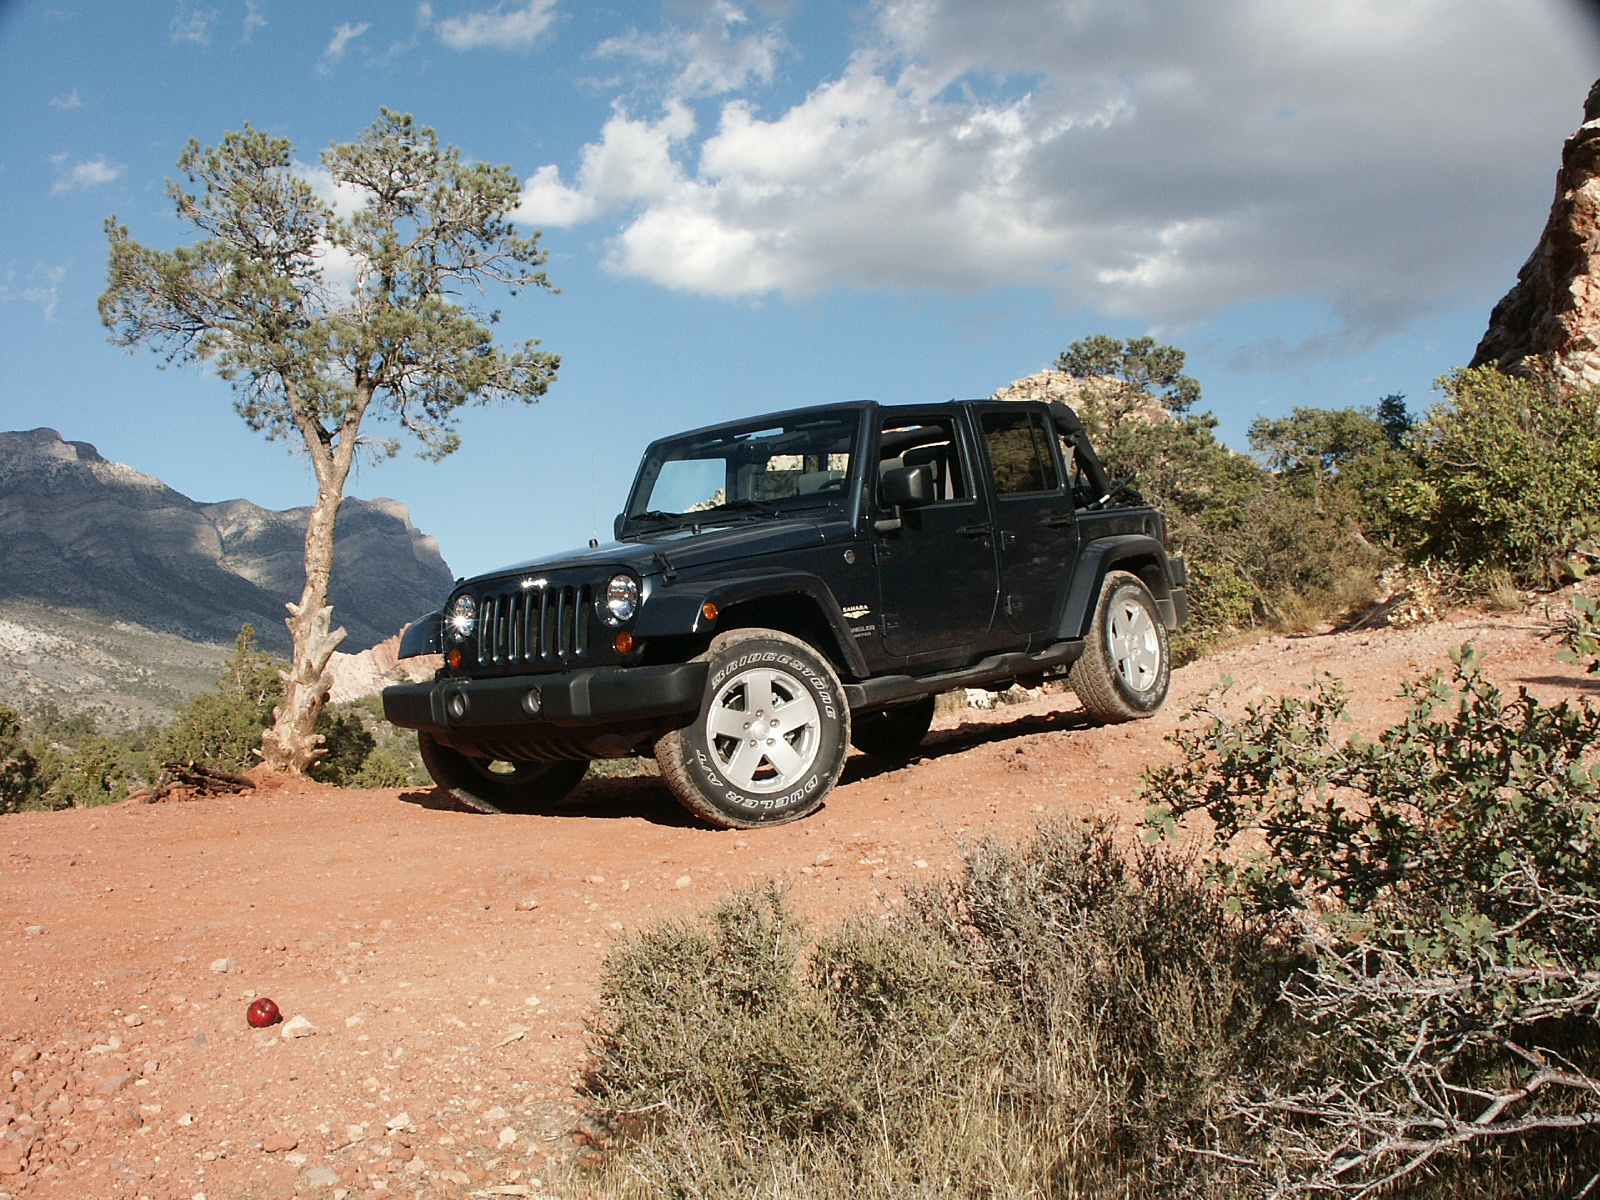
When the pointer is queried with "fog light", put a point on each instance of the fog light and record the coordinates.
(455, 658)
(710, 610)
(531, 703)
(456, 706)
(624, 642)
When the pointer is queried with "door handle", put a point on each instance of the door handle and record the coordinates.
(978, 530)
(1057, 520)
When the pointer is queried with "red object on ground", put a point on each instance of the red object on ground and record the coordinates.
(262, 1013)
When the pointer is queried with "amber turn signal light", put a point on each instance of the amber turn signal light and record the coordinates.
(454, 658)
(710, 610)
(624, 642)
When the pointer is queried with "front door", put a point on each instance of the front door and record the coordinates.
(937, 578)
(1034, 526)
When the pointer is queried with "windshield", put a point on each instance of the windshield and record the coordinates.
(766, 467)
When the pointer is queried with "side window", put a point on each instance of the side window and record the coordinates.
(931, 443)
(1019, 451)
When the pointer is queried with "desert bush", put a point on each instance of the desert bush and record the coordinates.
(1447, 882)
(1056, 1020)
(363, 750)
(223, 728)
(57, 759)
(1284, 545)
(346, 746)
(1507, 465)
(1582, 635)
(21, 785)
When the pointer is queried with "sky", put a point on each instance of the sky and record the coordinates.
(762, 205)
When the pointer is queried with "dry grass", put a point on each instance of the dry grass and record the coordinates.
(1065, 1020)
(1058, 1021)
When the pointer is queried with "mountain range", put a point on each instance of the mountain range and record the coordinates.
(80, 531)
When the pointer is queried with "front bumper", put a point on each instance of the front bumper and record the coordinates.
(595, 696)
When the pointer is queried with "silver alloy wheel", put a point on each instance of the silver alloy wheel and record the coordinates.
(764, 729)
(1135, 644)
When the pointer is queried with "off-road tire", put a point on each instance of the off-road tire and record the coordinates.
(741, 774)
(1126, 667)
(524, 787)
(897, 730)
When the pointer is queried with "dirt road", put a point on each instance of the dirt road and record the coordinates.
(445, 960)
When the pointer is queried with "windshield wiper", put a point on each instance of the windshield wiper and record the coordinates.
(756, 506)
(655, 514)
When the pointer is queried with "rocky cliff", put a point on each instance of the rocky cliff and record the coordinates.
(78, 530)
(1553, 310)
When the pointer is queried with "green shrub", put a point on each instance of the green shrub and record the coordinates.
(1057, 1020)
(21, 782)
(1508, 464)
(1583, 635)
(364, 750)
(1286, 546)
(223, 728)
(346, 745)
(1447, 878)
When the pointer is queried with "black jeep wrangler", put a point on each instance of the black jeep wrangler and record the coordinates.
(785, 586)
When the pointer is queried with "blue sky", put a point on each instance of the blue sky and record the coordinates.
(760, 205)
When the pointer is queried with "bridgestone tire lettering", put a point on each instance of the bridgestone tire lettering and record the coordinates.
(759, 677)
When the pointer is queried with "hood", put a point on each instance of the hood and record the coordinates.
(686, 549)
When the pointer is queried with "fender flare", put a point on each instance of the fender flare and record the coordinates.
(1075, 610)
(425, 635)
(679, 608)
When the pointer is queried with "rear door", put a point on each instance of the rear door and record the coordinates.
(1034, 527)
(936, 573)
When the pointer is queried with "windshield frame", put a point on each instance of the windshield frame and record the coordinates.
(634, 521)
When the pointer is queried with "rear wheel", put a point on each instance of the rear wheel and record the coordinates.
(495, 786)
(770, 738)
(1126, 667)
(894, 730)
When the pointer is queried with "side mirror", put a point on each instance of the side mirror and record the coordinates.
(903, 487)
(616, 526)
(907, 487)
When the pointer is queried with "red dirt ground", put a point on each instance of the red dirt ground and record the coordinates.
(446, 959)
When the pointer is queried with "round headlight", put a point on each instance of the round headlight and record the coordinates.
(462, 617)
(620, 601)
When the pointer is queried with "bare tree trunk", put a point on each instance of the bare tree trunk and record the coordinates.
(293, 744)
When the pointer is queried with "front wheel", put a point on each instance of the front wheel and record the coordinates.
(1126, 667)
(770, 738)
(491, 786)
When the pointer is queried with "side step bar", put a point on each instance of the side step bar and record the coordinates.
(888, 689)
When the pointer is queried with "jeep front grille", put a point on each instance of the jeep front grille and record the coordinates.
(547, 625)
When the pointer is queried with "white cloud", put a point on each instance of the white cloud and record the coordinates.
(87, 173)
(70, 100)
(334, 51)
(632, 161)
(497, 27)
(1148, 158)
(253, 20)
(190, 23)
(346, 199)
(548, 201)
(42, 288)
(342, 271)
(708, 60)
